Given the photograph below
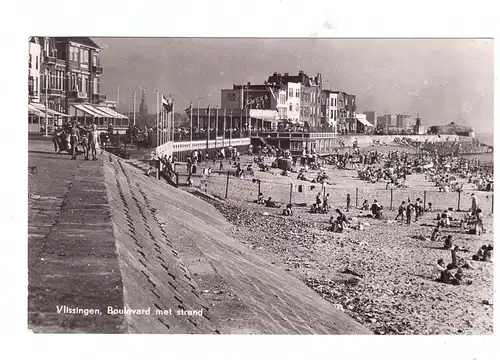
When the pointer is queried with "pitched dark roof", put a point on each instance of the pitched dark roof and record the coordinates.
(80, 40)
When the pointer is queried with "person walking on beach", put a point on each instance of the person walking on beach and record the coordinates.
(401, 212)
(475, 203)
(348, 202)
(409, 210)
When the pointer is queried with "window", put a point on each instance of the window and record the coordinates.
(94, 60)
(290, 93)
(36, 85)
(29, 63)
(36, 62)
(297, 93)
(86, 56)
(331, 101)
(335, 101)
(331, 114)
(82, 52)
(291, 107)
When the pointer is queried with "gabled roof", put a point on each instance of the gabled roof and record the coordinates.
(80, 40)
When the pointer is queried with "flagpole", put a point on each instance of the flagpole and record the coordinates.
(134, 107)
(231, 129)
(191, 127)
(224, 128)
(173, 125)
(208, 127)
(157, 119)
(216, 125)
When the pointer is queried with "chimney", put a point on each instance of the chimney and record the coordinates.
(248, 84)
(286, 74)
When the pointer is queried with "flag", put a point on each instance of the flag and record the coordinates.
(188, 110)
(208, 110)
(167, 103)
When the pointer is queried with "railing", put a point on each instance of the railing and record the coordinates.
(77, 94)
(50, 59)
(186, 136)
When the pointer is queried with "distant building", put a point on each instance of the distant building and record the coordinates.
(452, 129)
(143, 108)
(418, 129)
(403, 122)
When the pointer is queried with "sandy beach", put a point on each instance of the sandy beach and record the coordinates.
(392, 291)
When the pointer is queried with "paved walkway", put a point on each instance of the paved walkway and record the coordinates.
(71, 250)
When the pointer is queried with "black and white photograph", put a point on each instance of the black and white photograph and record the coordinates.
(186, 185)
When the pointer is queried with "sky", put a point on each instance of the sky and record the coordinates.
(441, 80)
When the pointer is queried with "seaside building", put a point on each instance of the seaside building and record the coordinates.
(403, 122)
(69, 84)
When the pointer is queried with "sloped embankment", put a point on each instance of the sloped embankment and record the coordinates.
(174, 253)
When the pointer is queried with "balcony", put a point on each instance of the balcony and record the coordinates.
(97, 69)
(77, 95)
(98, 97)
(50, 59)
(54, 92)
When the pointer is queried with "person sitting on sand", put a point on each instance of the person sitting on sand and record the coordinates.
(448, 242)
(446, 275)
(429, 207)
(339, 224)
(365, 206)
(480, 254)
(488, 253)
(376, 210)
(260, 199)
(438, 269)
(288, 210)
(271, 204)
(436, 235)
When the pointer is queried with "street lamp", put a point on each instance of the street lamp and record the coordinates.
(46, 101)
(198, 108)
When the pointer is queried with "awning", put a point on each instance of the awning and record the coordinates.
(32, 110)
(41, 107)
(111, 113)
(86, 110)
(364, 121)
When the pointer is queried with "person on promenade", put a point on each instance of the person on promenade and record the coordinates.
(348, 202)
(93, 139)
(401, 212)
(55, 139)
(288, 210)
(74, 140)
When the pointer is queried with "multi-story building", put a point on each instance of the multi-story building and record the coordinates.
(69, 73)
(403, 122)
(308, 97)
(329, 109)
(34, 51)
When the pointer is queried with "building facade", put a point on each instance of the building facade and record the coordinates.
(67, 79)
(309, 97)
(34, 53)
(404, 122)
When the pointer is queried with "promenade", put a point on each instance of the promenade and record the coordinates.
(71, 249)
